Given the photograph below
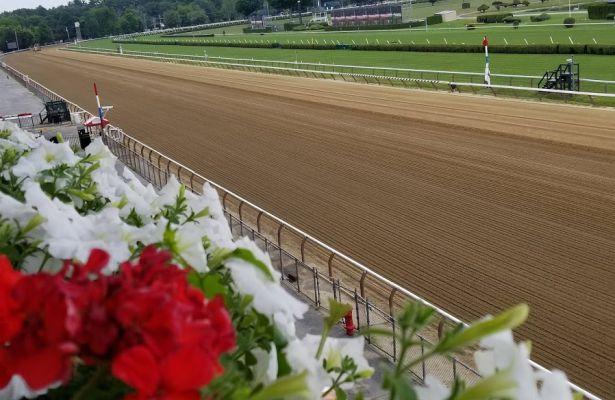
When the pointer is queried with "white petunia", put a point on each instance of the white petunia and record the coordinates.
(189, 245)
(555, 386)
(101, 153)
(502, 353)
(17, 388)
(301, 356)
(266, 368)
(432, 389)
(46, 156)
(269, 297)
(15, 210)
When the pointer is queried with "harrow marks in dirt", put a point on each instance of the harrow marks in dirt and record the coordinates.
(473, 203)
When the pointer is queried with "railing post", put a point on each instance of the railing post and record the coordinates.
(329, 264)
(362, 283)
(224, 201)
(391, 296)
(258, 221)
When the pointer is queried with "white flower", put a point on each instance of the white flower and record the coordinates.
(269, 297)
(502, 353)
(554, 386)
(19, 136)
(432, 389)
(266, 368)
(189, 245)
(301, 356)
(13, 209)
(45, 156)
(101, 153)
(168, 194)
(17, 388)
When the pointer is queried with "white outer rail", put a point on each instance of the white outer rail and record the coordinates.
(336, 65)
(349, 259)
(384, 77)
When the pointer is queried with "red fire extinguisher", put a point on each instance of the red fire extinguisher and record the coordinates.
(349, 324)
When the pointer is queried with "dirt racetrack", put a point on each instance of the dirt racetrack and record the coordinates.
(475, 203)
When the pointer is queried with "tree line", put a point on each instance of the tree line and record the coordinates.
(100, 18)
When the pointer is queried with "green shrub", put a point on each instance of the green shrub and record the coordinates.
(569, 22)
(483, 7)
(470, 27)
(299, 28)
(288, 26)
(600, 10)
(434, 19)
(525, 3)
(540, 18)
(512, 20)
(492, 18)
(257, 30)
(465, 5)
(611, 16)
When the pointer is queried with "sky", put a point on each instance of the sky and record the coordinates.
(9, 5)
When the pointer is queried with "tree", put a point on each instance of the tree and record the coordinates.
(433, 2)
(483, 7)
(171, 19)
(497, 4)
(130, 21)
(285, 4)
(247, 7)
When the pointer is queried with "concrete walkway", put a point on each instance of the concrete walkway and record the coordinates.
(16, 99)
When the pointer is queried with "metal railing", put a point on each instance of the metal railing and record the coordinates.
(411, 79)
(310, 267)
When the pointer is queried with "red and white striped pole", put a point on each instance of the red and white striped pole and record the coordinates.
(100, 110)
(487, 70)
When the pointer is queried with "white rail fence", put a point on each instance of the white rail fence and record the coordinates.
(423, 79)
(312, 268)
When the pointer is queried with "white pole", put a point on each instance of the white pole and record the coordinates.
(487, 71)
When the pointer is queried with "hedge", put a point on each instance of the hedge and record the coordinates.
(289, 26)
(257, 30)
(368, 27)
(434, 19)
(442, 48)
(184, 35)
(600, 10)
(465, 5)
(492, 18)
(540, 18)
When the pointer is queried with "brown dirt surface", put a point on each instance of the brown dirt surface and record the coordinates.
(474, 203)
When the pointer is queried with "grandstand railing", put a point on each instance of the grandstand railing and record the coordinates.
(312, 268)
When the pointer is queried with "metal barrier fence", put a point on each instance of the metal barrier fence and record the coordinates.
(313, 269)
(370, 75)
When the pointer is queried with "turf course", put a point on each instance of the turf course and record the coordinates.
(596, 67)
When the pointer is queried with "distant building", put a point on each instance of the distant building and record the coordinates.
(381, 14)
(449, 15)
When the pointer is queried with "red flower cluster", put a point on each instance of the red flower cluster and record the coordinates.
(159, 335)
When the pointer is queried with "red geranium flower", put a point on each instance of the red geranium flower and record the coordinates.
(159, 334)
(37, 345)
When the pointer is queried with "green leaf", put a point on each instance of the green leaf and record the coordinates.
(33, 223)
(81, 194)
(499, 385)
(340, 394)
(509, 319)
(337, 311)
(212, 286)
(246, 255)
(375, 331)
(286, 386)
